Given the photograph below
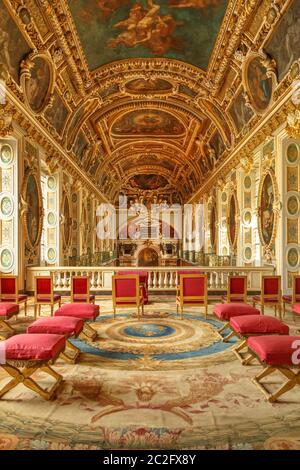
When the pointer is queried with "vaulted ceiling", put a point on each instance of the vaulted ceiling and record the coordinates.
(143, 88)
(152, 67)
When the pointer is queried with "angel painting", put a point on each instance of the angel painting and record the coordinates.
(146, 27)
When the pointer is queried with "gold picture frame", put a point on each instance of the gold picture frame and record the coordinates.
(232, 224)
(259, 81)
(32, 213)
(268, 209)
(37, 79)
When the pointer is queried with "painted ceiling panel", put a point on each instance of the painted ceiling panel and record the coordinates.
(112, 30)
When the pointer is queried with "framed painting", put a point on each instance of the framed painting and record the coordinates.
(67, 221)
(33, 213)
(267, 213)
(37, 80)
(232, 221)
(259, 80)
(213, 221)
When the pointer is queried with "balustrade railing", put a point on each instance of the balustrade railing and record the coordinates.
(160, 278)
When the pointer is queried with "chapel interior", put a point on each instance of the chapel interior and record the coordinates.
(149, 224)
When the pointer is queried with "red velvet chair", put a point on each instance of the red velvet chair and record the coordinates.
(127, 292)
(80, 290)
(246, 326)
(270, 294)
(143, 276)
(236, 290)
(26, 354)
(276, 354)
(192, 291)
(44, 294)
(295, 297)
(7, 311)
(187, 271)
(9, 291)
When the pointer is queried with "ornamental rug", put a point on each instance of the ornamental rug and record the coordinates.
(157, 383)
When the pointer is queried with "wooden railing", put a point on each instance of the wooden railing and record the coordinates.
(160, 278)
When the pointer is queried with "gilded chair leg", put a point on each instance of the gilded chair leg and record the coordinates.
(39, 310)
(177, 310)
(181, 313)
(114, 313)
(51, 310)
(25, 308)
(35, 311)
(205, 311)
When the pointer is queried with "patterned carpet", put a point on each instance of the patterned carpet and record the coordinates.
(161, 383)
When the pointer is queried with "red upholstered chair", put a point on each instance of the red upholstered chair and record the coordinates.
(127, 292)
(276, 354)
(25, 354)
(254, 325)
(80, 290)
(270, 294)
(192, 292)
(7, 311)
(295, 297)
(143, 276)
(9, 291)
(236, 290)
(69, 327)
(225, 312)
(44, 294)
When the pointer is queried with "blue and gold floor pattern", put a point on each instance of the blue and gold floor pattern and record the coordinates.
(156, 340)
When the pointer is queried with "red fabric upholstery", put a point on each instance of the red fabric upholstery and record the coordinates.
(125, 287)
(258, 324)
(226, 311)
(257, 298)
(80, 285)
(78, 310)
(296, 309)
(297, 286)
(236, 285)
(56, 298)
(287, 298)
(143, 277)
(273, 350)
(34, 347)
(79, 299)
(271, 285)
(20, 298)
(43, 286)
(8, 310)
(235, 299)
(66, 326)
(193, 286)
(8, 285)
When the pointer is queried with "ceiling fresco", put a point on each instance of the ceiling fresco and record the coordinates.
(148, 91)
(112, 30)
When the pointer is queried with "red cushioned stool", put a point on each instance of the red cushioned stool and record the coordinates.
(6, 312)
(227, 311)
(249, 325)
(86, 312)
(25, 354)
(276, 354)
(296, 309)
(69, 327)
